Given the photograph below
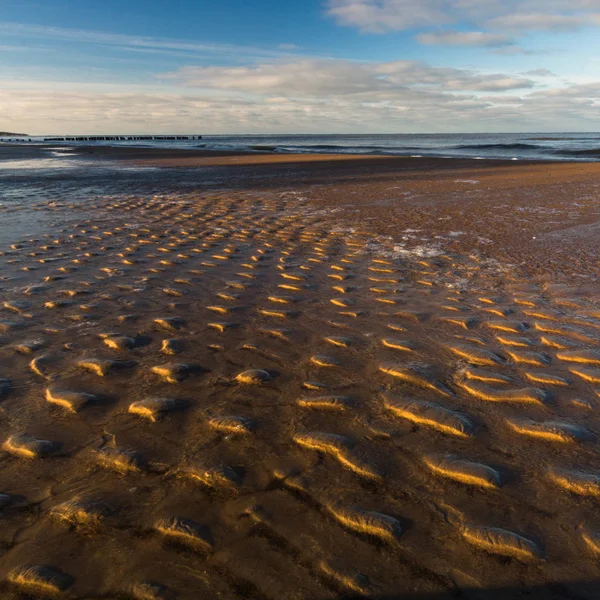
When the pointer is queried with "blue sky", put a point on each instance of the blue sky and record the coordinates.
(317, 66)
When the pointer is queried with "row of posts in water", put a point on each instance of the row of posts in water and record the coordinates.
(128, 138)
(106, 138)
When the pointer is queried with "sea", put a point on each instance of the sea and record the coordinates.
(512, 146)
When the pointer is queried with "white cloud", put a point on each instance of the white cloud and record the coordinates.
(412, 109)
(379, 16)
(325, 78)
(385, 15)
(541, 73)
(538, 21)
(465, 38)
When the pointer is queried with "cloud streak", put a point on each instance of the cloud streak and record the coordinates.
(465, 38)
(139, 43)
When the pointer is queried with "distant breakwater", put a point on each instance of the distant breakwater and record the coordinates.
(121, 138)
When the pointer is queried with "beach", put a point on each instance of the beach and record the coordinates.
(257, 375)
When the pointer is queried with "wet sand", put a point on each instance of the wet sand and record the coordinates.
(272, 388)
(539, 215)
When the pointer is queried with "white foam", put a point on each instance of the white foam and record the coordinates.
(420, 251)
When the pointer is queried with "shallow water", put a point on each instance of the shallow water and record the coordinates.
(28, 186)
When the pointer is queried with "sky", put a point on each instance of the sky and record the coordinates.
(304, 66)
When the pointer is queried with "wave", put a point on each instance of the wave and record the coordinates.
(565, 139)
(324, 146)
(514, 150)
(556, 139)
(588, 152)
(491, 150)
(515, 146)
(334, 147)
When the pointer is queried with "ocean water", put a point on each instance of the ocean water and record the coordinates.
(518, 146)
